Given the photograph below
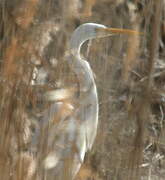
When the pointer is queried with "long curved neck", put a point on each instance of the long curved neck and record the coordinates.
(76, 43)
(80, 66)
(83, 72)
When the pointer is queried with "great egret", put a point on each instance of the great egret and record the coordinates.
(73, 134)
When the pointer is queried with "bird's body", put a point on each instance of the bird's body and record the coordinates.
(69, 126)
(74, 134)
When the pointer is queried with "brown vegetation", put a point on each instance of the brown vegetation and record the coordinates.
(130, 76)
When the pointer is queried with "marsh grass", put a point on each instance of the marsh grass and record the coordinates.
(129, 74)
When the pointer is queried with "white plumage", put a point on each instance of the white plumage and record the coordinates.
(68, 129)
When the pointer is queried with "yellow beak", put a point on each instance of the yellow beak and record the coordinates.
(120, 31)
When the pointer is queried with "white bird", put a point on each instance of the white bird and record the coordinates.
(69, 127)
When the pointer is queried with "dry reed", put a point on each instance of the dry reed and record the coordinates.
(130, 79)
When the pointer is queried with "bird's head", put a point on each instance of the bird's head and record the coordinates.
(92, 30)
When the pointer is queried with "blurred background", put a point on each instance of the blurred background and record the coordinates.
(129, 73)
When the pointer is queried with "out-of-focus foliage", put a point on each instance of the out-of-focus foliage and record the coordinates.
(130, 76)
